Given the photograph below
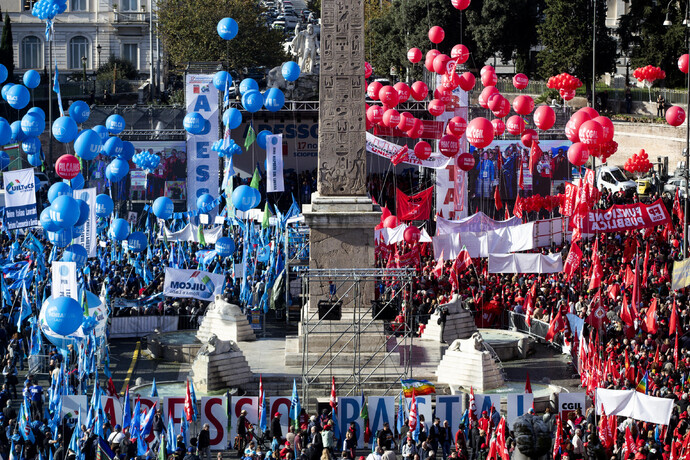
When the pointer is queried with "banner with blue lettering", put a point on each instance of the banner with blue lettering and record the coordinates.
(484, 403)
(202, 163)
(518, 404)
(449, 407)
(20, 199)
(349, 409)
(381, 409)
(274, 163)
(195, 284)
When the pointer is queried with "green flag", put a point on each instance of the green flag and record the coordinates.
(161, 448)
(251, 137)
(200, 235)
(256, 178)
(267, 214)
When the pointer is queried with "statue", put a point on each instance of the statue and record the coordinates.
(471, 345)
(305, 47)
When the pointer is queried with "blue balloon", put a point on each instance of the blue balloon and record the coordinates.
(37, 111)
(205, 203)
(248, 84)
(113, 147)
(136, 242)
(3, 73)
(225, 246)
(220, 78)
(104, 205)
(31, 145)
(127, 151)
(119, 229)
(31, 79)
(5, 89)
(261, 138)
(4, 160)
(257, 197)
(75, 253)
(290, 70)
(88, 144)
(34, 159)
(64, 210)
(274, 99)
(64, 315)
(84, 210)
(232, 118)
(33, 124)
(61, 238)
(18, 97)
(17, 133)
(58, 189)
(163, 207)
(227, 28)
(46, 222)
(5, 132)
(65, 129)
(79, 111)
(243, 198)
(252, 101)
(118, 169)
(77, 183)
(194, 123)
(102, 132)
(115, 124)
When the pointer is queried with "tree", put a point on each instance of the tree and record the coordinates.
(6, 50)
(506, 28)
(123, 68)
(645, 40)
(566, 35)
(188, 32)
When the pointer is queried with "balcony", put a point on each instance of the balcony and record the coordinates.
(131, 22)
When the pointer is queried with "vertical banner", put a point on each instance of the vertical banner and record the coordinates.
(349, 408)
(214, 412)
(449, 407)
(88, 237)
(237, 405)
(281, 405)
(518, 404)
(20, 199)
(65, 280)
(484, 403)
(381, 409)
(202, 164)
(570, 402)
(274, 163)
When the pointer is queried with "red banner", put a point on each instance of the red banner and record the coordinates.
(432, 130)
(409, 259)
(620, 218)
(415, 207)
(572, 261)
(569, 203)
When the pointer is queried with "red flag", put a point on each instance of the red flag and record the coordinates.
(629, 279)
(401, 156)
(597, 271)
(650, 318)
(629, 443)
(534, 155)
(559, 438)
(517, 209)
(464, 261)
(529, 303)
(473, 406)
(497, 199)
(554, 326)
(521, 177)
(606, 436)
(507, 214)
(626, 316)
(414, 207)
(438, 269)
(644, 267)
(111, 389)
(597, 316)
(572, 262)
(636, 290)
(528, 384)
(412, 420)
(677, 208)
(333, 399)
(673, 322)
(613, 291)
(188, 410)
(501, 440)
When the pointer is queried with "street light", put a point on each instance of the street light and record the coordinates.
(83, 63)
(99, 48)
(667, 22)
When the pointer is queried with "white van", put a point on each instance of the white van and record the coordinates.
(615, 179)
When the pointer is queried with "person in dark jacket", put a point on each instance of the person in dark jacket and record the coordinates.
(158, 427)
(276, 429)
(204, 442)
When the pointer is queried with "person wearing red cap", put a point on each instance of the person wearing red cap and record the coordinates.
(276, 429)
(484, 422)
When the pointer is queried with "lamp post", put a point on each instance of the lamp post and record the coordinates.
(667, 23)
(83, 64)
(99, 48)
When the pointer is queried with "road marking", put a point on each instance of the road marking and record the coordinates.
(130, 371)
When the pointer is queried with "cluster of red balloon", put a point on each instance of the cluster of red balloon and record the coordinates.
(638, 163)
(648, 74)
(591, 135)
(535, 203)
(566, 85)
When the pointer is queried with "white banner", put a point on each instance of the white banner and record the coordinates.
(20, 199)
(518, 404)
(447, 193)
(65, 280)
(631, 403)
(525, 263)
(386, 149)
(195, 284)
(570, 402)
(395, 235)
(478, 222)
(274, 163)
(481, 244)
(190, 233)
(88, 237)
(202, 164)
(214, 412)
(483, 403)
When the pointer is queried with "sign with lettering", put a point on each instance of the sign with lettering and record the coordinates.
(20, 199)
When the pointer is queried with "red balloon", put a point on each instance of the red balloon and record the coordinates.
(411, 234)
(391, 118)
(431, 54)
(495, 101)
(373, 90)
(523, 104)
(403, 91)
(375, 114)
(419, 90)
(436, 107)
(499, 126)
(489, 79)
(578, 154)
(448, 145)
(544, 117)
(487, 68)
(607, 125)
(591, 133)
(589, 111)
(367, 70)
(436, 34)
(675, 116)
(503, 110)
(456, 126)
(406, 121)
(461, 53)
(683, 63)
(422, 150)
(414, 55)
(67, 166)
(443, 95)
(465, 161)
(440, 63)
(460, 4)
(528, 136)
(572, 128)
(515, 125)
(484, 96)
(480, 132)
(467, 81)
(391, 222)
(567, 95)
(369, 124)
(389, 96)
(417, 129)
(520, 81)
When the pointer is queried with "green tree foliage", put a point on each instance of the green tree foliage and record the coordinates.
(188, 32)
(6, 51)
(566, 35)
(123, 69)
(506, 28)
(646, 41)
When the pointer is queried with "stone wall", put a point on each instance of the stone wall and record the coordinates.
(656, 139)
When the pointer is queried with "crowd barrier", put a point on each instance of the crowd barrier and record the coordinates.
(138, 326)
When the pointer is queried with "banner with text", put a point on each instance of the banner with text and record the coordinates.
(65, 280)
(88, 237)
(20, 199)
(619, 218)
(274, 163)
(681, 274)
(386, 149)
(195, 284)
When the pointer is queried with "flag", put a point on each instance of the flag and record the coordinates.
(643, 384)
(677, 208)
(534, 155)
(412, 420)
(295, 407)
(626, 315)
(416, 386)
(629, 446)
(438, 269)
(554, 327)
(154, 389)
(497, 199)
(414, 207)
(644, 266)
(126, 411)
(518, 207)
(400, 421)
(528, 384)
(473, 405)
(572, 262)
(673, 322)
(161, 448)
(501, 440)
(529, 303)
(650, 317)
(559, 429)
(103, 450)
(364, 415)
(597, 272)
(136, 420)
(56, 88)
(251, 137)
(147, 422)
(464, 261)
(184, 430)
(263, 423)
(172, 440)
(334, 410)
(195, 414)
(256, 178)
(188, 411)
(521, 180)
(267, 215)
(400, 156)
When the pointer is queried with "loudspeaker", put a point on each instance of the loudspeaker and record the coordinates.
(330, 311)
(383, 311)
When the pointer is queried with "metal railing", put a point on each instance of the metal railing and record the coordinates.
(131, 17)
(537, 328)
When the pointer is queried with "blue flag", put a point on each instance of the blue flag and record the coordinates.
(126, 411)
(154, 390)
(295, 407)
(172, 439)
(195, 414)
(400, 422)
(56, 88)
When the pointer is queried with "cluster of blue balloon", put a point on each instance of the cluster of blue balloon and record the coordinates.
(146, 160)
(226, 149)
(48, 9)
(63, 220)
(245, 198)
(113, 147)
(119, 229)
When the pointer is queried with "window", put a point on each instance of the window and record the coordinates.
(32, 53)
(130, 51)
(130, 5)
(27, 5)
(77, 5)
(78, 47)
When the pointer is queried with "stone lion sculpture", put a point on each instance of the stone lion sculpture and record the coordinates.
(224, 308)
(216, 346)
(474, 343)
